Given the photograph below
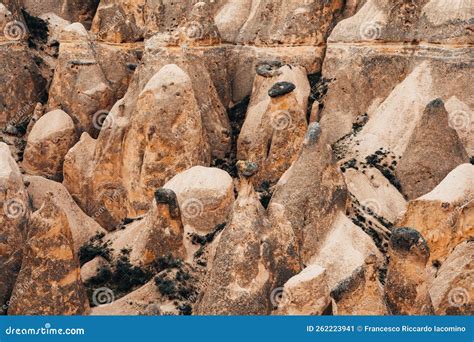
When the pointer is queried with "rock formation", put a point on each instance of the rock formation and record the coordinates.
(48, 142)
(14, 213)
(49, 281)
(406, 288)
(445, 216)
(236, 157)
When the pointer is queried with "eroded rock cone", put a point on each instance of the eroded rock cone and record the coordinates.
(48, 143)
(433, 151)
(406, 286)
(238, 283)
(49, 282)
(361, 293)
(14, 213)
(451, 290)
(158, 234)
(307, 293)
(445, 216)
(84, 85)
(312, 193)
(275, 123)
(149, 139)
(83, 227)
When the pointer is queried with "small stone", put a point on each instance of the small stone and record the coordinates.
(281, 88)
(247, 168)
(269, 68)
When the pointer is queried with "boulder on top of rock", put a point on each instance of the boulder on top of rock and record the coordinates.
(274, 127)
(445, 216)
(281, 88)
(49, 282)
(452, 290)
(205, 197)
(48, 143)
(14, 213)
(406, 286)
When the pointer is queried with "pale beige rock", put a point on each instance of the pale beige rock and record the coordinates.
(91, 269)
(274, 128)
(433, 151)
(285, 22)
(48, 143)
(14, 213)
(144, 301)
(238, 282)
(406, 285)
(361, 293)
(77, 168)
(374, 191)
(56, 25)
(307, 293)
(49, 282)
(312, 193)
(230, 18)
(205, 196)
(417, 20)
(82, 226)
(345, 248)
(451, 290)
(445, 216)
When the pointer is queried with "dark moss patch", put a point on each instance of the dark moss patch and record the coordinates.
(37, 27)
(121, 277)
(208, 238)
(319, 88)
(94, 248)
(265, 193)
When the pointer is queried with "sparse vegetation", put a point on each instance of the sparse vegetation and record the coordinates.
(95, 247)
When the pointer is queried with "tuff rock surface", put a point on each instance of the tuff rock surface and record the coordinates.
(236, 157)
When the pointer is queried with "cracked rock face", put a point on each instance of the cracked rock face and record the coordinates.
(49, 281)
(236, 157)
